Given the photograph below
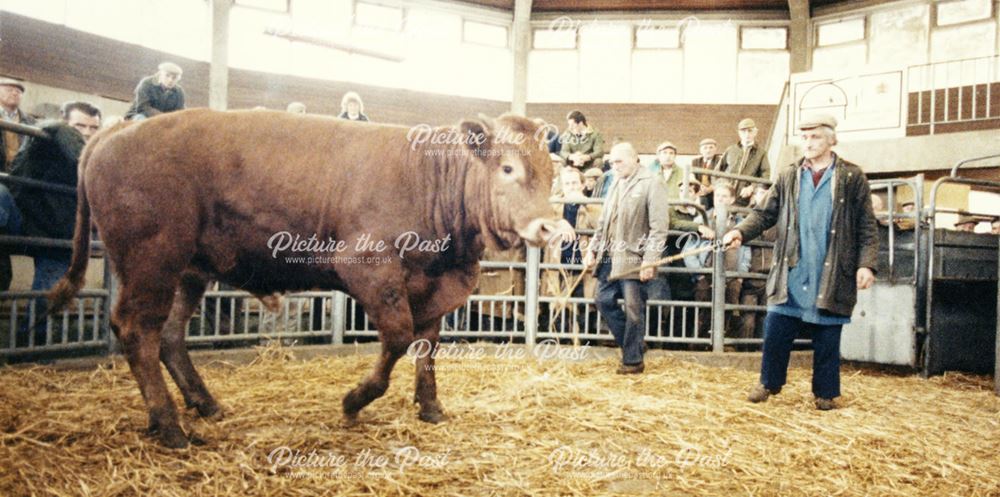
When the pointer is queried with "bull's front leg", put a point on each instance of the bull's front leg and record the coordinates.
(389, 310)
(425, 393)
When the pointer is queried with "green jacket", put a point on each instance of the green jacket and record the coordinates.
(591, 144)
(756, 165)
(671, 183)
(853, 243)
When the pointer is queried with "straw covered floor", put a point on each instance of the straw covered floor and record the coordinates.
(517, 426)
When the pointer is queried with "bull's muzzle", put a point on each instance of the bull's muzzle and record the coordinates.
(544, 231)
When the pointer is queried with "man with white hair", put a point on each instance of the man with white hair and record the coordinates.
(158, 94)
(825, 250)
(631, 234)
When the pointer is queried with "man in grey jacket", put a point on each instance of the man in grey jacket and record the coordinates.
(825, 250)
(631, 234)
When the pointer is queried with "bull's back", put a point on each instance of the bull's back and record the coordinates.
(219, 186)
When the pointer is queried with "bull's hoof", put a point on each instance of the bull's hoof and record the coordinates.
(209, 409)
(350, 419)
(433, 417)
(172, 437)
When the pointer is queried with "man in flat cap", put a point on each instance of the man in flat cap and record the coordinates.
(158, 94)
(746, 158)
(967, 223)
(825, 250)
(708, 158)
(11, 91)
(665, 167)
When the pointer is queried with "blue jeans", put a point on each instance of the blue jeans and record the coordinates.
(779, 333)
(628, 326)
(10, 215)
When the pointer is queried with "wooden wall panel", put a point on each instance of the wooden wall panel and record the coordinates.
(54, 55)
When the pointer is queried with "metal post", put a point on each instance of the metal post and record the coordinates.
(719, 283)
(339, 317)
(218, 71)
(531, 295)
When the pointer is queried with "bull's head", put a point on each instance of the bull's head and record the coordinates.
(515, 183)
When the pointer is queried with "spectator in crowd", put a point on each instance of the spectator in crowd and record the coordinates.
(33, 212)
(995, 226)
(11, 92)
(582, 146)
(605, 182)
(826, 248)
(352, 107)
(708, 158)
(582, 217)
(296, 108)
(746, 158)
(590, 178)
(665, 166)
(735, 260)
(906, 224)
(632, 231)
(158, 94)
(966, 223)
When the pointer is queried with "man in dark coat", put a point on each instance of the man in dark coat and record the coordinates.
(746, 158)
(825, 250)
(35, 212)
(158, 93)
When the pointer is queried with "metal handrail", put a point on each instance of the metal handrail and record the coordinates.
(954, 169)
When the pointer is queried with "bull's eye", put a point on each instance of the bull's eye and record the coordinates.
(508, 169)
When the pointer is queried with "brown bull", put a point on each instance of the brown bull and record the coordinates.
(197, 195)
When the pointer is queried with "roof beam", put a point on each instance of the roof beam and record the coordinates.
(798, 38)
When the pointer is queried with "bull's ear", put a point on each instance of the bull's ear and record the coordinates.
(478, 138)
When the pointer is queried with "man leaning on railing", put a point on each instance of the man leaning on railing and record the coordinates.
(34, 212)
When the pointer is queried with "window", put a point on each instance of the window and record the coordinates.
(839, 57)
(555, 38)
(657, 37)
(280, 6)
(378, 16)
(485, 34)
(843, 31)
(899, 36)
(710, 60)
(963, 42)
(764, 38)
(962, 11)
(426, 25)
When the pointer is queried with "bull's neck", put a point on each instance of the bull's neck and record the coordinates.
(450, 182)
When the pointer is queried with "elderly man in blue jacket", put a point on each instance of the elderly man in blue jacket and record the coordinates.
(825, 251)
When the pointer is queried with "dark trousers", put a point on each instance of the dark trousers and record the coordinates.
(780, 332)
(628, 326)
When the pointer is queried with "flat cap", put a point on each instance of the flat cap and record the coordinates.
(170, 67)
(966, 218)
(746, 124)
(664, 146)
(593, 172)
(11, 82)
(817, 120)
(707, 141)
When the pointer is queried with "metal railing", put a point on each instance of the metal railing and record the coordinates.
(978, 74)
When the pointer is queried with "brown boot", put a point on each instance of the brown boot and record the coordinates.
(825, 404)
(759, 394)
(631, 368)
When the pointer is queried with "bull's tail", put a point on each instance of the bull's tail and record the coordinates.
(68, 286)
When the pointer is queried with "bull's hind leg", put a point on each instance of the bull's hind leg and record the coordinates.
(173, 350)
(143, 306)
(389, 310)
(426, 389)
